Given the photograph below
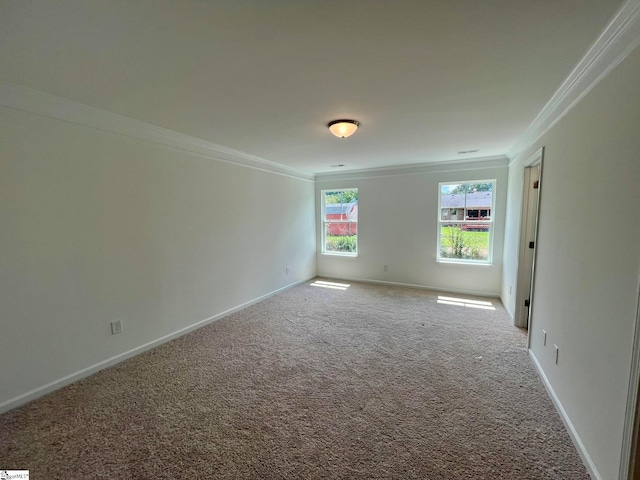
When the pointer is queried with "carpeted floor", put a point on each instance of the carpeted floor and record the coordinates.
(368, 382)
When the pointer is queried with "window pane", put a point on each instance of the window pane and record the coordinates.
(465, 221)
(340, 221)
(465, 241)
(452, 204)
(340, 239)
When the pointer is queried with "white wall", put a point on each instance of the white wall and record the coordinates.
(397, 226)
(96, 227)
(588, 262)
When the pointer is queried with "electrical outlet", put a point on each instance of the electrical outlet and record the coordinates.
(510, 289)
(544, 338)
(556, 353)
(116, 327)
(286, 270)
(386, 268)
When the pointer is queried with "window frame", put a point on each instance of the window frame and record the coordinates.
(324, 222)
(490, 221)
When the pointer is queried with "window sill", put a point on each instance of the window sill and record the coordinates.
(462, 262)
(338, 254)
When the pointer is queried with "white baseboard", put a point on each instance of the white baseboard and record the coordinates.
(506, 309)
(411, 285)
(575, 438)
(85, 372)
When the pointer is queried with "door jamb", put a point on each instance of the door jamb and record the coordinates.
(629, 468)
(535, 160)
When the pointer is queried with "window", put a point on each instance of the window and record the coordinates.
(465, 225)
(340, 222)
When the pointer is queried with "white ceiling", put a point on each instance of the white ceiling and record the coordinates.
(425, 78)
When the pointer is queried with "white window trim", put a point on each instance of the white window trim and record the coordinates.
(490, 220)
(323, 222)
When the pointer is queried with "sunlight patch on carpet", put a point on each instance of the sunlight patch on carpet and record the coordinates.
(465, 302)
(333, 285)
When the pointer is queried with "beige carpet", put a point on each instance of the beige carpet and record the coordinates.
(367, 382)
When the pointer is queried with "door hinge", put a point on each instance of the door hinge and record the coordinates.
(526, 303)
(532, 244)
(536, 184)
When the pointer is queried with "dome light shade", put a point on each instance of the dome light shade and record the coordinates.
(343, 128)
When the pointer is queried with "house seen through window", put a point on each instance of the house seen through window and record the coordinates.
(340, 221)
(465, 221)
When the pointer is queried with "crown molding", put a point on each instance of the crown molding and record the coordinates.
(619, 38)
(418, 168)
(47, 105)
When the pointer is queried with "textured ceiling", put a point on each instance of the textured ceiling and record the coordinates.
(425, 78)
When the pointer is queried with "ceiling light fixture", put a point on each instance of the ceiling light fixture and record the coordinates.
(343, 128)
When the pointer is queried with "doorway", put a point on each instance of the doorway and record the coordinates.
(528, 238)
